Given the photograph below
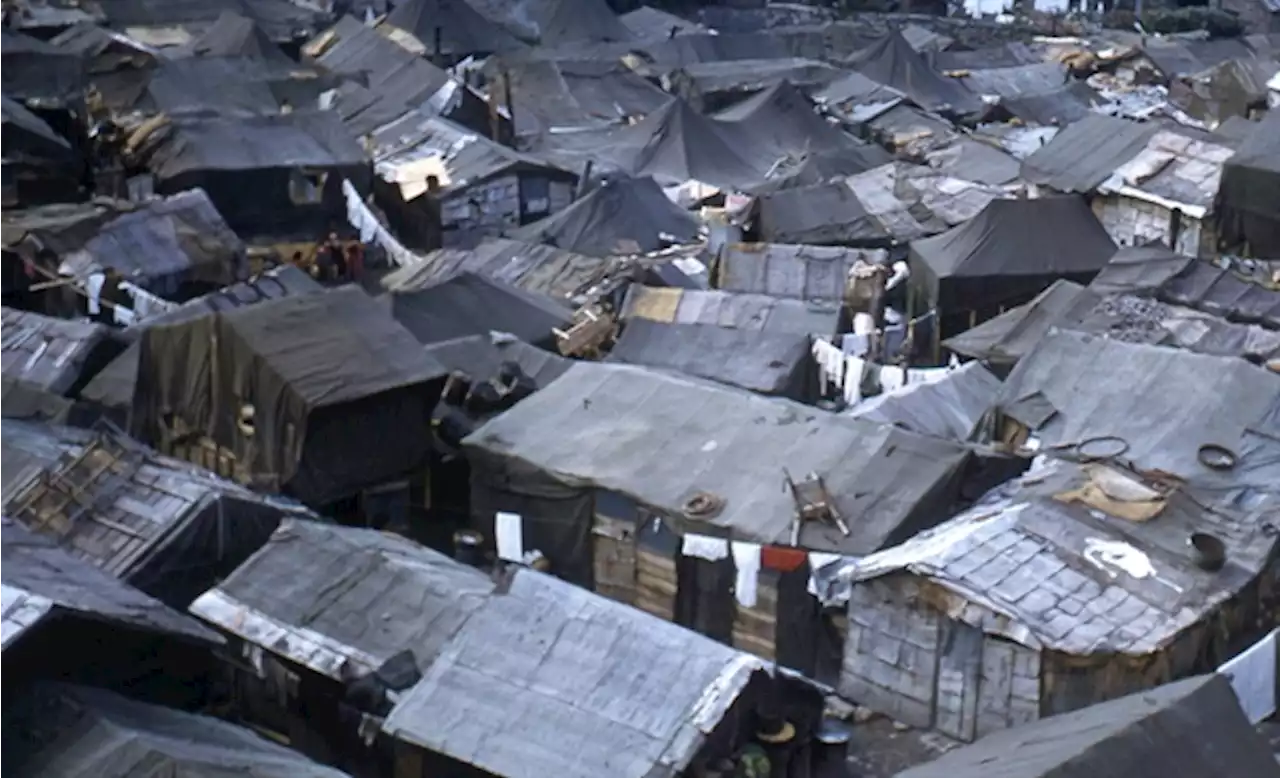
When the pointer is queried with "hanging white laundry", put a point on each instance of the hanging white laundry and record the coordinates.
(892, 377)
(93, 286)
(746, 561)
(855, 345)
(863, 324)
(854, 367)
(953, 362)
(703, 547)
(508, 535)
(1253, 677)
(926, 375)
(820, 559)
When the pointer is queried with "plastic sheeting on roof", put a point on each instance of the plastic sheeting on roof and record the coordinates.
(620, 216)
(1085, 154)
(783, 119)
(234, 35)
(950, 408)
(892, 62)
(825, 214)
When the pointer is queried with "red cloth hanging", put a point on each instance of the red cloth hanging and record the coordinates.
(784, 559)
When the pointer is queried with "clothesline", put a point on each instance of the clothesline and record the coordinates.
(371, 230)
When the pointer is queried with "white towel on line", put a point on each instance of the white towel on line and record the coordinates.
(746, 561)
(703, 547)
(854, 367)
(892, 377)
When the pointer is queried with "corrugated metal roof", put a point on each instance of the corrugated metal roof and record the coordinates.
(1019, 81)
(661, 439)
(609, 690)
(47, 352)
(732, 310)
(1173, 169)
(790, 270)
(534, 267)
(949, 408)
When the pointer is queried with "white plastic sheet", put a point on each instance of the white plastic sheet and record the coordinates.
(1253, 677)
(508, 531)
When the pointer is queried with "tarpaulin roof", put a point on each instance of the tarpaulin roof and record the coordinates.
(283, 21)
(558, 22)
(649, 435)
(35, 70)
(197, 144)
(891, 61)
(1011, 335)
(972, 160)
(27, 136)
(482, 356)
(824, 166)
(617, 217)
(235, 35)
(473, 304)
(1059, 107)
(646, 22)
(1086, 153)
(1164, 403)
(1044, 238)
(818, 215)
(71, 730)
(40, 579)
(1188, 729)
(728, 79)
(215, 84)
(783, 119)
(114, 386)
(950, 407)
(680, 144)
(463, 30)
(1248, 203)
(770, 363)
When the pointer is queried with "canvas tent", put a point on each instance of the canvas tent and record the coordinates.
(234, 35)
(781, 118)
(678, 144)
(620, 216)
(1248, 203)
(460, 29)
(1011, 250)
(37, 71)
(891, 61)
(39, 165)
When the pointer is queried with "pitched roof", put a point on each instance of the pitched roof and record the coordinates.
(950, 408)
(462, 29)
(554, 272)
(797, 271)
(680, 144)
(1086, 153)
(235, 35)
(732, 310)
(662, 438)
(893, 62)
(1188, 729)
(471, 304)
(54, 354)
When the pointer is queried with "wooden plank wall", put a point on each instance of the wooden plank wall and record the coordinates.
(655, 584)
(755, 629)
(614, 558)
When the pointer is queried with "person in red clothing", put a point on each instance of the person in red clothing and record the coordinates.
(355, 260)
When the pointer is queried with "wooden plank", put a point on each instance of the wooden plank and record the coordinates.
(614, 555)
(655, 584)
(755, 629)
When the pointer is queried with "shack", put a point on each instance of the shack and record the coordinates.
(61, 730)
(309, 649)
(53, 599)
(471, 304)
(1070, 586)
(39, 165)
(163, 526)
(732, 310)
(799, 272)
(58, 355)
(635, 482)
(323, 396)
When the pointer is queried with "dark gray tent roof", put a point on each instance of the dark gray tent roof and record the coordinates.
(818, 215)
(481, 356)
(1049, 236)
(1248, 203)
(893, 62)
(40, 578)
(616, 217)
(765, 362)
(28, 136)
(463, 30)
(732, 309)
(65, 730)
(781, 118)
(824, 166)
(680, 144)
(1011, 335)
(235, 35)
(559, 22)
(35, 70)
(647, 434)
(1188, 729)
(579, 93)
(535, 267)
(949, 408)
(472, 304)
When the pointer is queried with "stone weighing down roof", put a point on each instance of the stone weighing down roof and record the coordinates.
(1071, 558)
